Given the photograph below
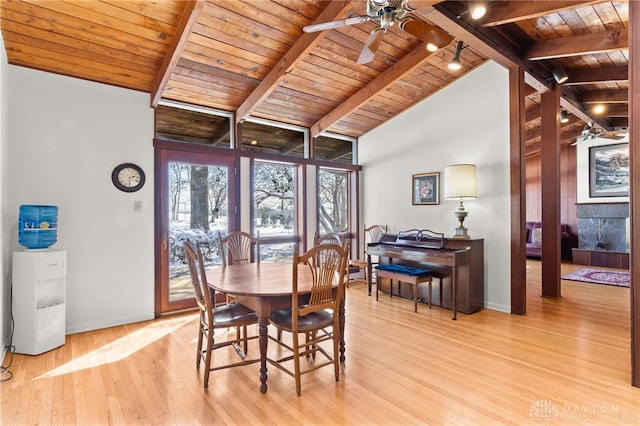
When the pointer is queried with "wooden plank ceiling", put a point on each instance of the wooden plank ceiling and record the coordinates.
(253, 59)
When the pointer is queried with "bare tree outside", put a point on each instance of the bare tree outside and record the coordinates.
(333, 211)
(178, 181)
(274, 196)
(198, 213)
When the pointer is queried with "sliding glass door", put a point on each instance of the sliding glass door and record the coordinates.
(197, 202)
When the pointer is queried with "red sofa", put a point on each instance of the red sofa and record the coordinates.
(534, 241)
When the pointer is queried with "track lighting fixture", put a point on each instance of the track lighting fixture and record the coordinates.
(477, 10)
(564, 117)
(455, 63)
(559, 75)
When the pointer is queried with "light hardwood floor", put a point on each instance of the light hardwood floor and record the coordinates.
(566, 362)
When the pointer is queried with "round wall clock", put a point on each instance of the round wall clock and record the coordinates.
(128, 177)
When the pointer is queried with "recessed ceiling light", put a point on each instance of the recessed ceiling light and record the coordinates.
(598, 109)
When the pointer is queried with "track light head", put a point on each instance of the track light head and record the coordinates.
(559, 75)
(455, 63)
(477, 10)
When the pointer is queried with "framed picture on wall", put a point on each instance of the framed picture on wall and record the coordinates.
(426, 188)
(609, 170)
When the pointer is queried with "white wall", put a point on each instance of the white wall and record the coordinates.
(65, 136)
(4, 234)
(466, 122)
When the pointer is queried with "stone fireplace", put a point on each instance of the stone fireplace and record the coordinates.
(603, 226)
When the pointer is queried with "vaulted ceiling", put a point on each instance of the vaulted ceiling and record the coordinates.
(252, 58)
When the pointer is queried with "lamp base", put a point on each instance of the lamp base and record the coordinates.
(461, 233)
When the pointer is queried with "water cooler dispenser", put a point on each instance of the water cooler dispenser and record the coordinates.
(39, 283)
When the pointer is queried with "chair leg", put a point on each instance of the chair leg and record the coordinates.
(296, 363)
(199, 347)
(207, 359)
(336, 355)
(245, 340)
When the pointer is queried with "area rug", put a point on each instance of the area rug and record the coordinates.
(600, 276)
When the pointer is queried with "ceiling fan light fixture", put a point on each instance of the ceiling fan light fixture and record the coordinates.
(564, 117)
(559, 75)
(387, 19)
(477, 10)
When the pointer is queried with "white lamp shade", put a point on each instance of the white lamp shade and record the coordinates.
(460, 182)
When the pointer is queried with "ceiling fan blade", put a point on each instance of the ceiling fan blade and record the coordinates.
(335, 24)
(371, 46)
(426, 32)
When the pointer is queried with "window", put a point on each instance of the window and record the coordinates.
(271, 138)
(338, 149)
(333, 205)
(274, 195)
(183, 123)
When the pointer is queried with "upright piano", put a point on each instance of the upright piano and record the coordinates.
(458, 263)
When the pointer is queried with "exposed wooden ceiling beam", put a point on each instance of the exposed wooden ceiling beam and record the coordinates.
(604, 96)
(306, 43)
(566, 129)
(421, 4)
(188, 19)
(532, 113)
(566, 137)
(616, 110)
(491, 44)
(597, 75)
(583, 44)
(395, 72)
(500, 13)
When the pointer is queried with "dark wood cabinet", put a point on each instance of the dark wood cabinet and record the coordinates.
(604, 258)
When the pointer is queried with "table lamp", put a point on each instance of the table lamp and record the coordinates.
(460, 183)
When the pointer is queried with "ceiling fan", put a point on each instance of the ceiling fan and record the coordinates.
(590, 131)
(386, 13)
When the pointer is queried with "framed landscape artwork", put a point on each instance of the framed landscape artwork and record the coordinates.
(609, 170)
(426, 188)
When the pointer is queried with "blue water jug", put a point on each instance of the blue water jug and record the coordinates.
(38, 226)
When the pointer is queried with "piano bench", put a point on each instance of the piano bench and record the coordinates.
(405, 274)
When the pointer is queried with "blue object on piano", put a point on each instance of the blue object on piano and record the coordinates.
(402, 269)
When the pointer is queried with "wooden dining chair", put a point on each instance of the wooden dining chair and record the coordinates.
(330, 238)
(371, 234)
(237, 248)
(317, 320)
(216, 317)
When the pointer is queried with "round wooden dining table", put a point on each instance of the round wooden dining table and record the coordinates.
(266, 288)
